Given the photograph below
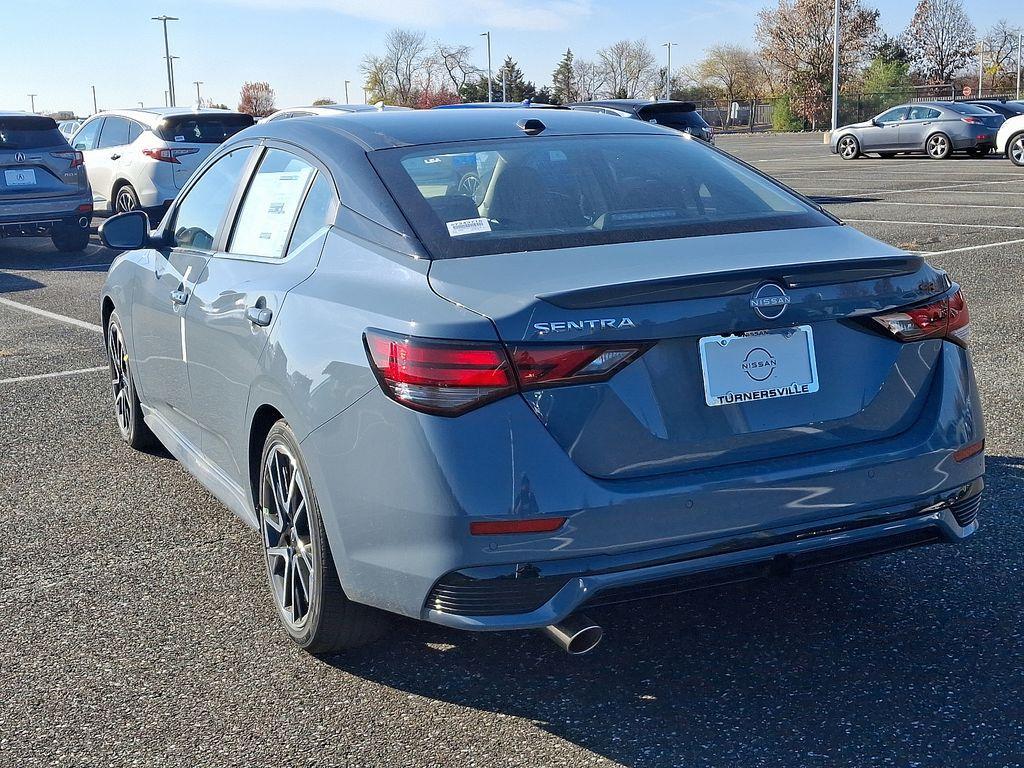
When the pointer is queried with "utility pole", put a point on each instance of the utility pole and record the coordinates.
(1020, 49)
(174, 99)
(167, 55)
(488, 36)
(981, 66)
(199, 99)
(95, 109)
(346, 90)
(668, 72)
(835, 69)
(33, 97)
(504, 88)
(167, 99)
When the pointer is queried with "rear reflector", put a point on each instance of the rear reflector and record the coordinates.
(451, 377)
(166, 155)
(537, 525)
(946, 318)
(969, 451)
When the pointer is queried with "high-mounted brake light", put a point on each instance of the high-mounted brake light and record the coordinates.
(76, 158)
(452, 377)
(946, 318)
(166, 155)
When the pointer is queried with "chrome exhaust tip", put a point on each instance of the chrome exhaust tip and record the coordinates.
(576, 635)
(83, 222)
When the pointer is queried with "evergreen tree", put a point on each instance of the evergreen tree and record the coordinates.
(517, 87)
(563, 89)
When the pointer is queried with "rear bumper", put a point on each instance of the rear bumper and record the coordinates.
(36, 213)
(540, 594)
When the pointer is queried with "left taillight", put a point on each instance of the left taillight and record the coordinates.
(165, 155)
(75, 157)
(947, 318)
(452, 377)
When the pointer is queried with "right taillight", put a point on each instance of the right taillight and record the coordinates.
(946, 318)
(165, 155)
(451, 377)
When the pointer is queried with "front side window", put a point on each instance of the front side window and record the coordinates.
(537, 193)
(114, 133)
(86, 137)
(893, 115)
(198, 217)
(271, 202)
(923, 113)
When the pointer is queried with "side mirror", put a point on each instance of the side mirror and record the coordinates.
(875, 122)
(126, 231)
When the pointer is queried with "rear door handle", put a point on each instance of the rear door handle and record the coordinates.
(179, 297)
(260, 316)
(115, 156)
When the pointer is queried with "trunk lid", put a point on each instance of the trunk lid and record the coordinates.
(653, 416)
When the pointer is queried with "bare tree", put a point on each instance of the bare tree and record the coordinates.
(397, 75)
(588, 79)
(456, 63)
(940, 40)
(1000, 54)
(732, 70)
(628, 68)
(256, 99)
(796, 43)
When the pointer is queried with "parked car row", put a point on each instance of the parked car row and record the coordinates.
(938, 129)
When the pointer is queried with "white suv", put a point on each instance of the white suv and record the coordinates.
(140, 158)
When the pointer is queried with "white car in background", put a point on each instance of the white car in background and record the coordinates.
(1010, 140)
(328, 109)
(140, 158)
(68, 127)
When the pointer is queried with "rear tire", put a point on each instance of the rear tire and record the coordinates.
(310, 601)
(848, 148)
(126, 199)
(1015, 150)
(938, 146)
(127, 409)
(68, 238)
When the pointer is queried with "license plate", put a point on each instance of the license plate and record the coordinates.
(762, 365)
(20, 177)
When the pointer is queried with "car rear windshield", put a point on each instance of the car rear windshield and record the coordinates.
(678, 118)
(537, 193)
(202, 129)
(969, 109)
(29, 133)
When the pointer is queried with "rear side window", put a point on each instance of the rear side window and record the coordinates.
(29, 132)
(315, 214)
(134, 131)
(202, 128)
(923, 113)
(87, 135)
(114, 133)
(271, 202)
(198, 217)
(537, 193)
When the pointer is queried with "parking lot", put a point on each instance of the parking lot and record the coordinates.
(140, 630)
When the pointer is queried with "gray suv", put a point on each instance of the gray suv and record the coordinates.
(43, 186)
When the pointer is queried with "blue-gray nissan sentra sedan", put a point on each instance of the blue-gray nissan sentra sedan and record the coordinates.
(490, 368)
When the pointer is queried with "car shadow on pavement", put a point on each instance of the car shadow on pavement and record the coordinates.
(914, 656)
(10, 283)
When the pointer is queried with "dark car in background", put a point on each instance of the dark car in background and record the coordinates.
(680, 115)
(936, 129)
(43, 186)
(1003, 107)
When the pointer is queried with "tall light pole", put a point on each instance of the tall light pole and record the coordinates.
(33, 97)
(346, 90)
(174, 100)
(199, 99)
(167, 56)
(488, 36)
(95, 109)
(668, 72)
(1020, 50)
(835, 69)
(981, 66)
(504, 87)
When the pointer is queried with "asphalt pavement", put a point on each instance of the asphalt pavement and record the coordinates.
(139, 630)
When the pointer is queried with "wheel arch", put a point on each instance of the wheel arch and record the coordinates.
(262, 420)
(106, 310)
(1011, 139)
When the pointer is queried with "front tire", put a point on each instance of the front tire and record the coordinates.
(303, 580)
(848, 148)
(68, 238)
(127, 409)
(938, 146)
(1015, 150)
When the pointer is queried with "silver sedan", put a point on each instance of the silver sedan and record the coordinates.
(936, 129)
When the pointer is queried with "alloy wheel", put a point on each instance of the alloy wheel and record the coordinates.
(120, 379)
(848, 147)
(938, 146)
(1017, 151)
(125, 200)
(287, 537)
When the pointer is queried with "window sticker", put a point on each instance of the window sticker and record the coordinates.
(468, 227)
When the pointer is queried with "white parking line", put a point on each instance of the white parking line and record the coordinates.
(55, 375)
(932, 223)
(51, 315)
(940, 205)
(973, 248)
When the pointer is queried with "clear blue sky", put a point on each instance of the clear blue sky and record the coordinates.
(308, 48)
